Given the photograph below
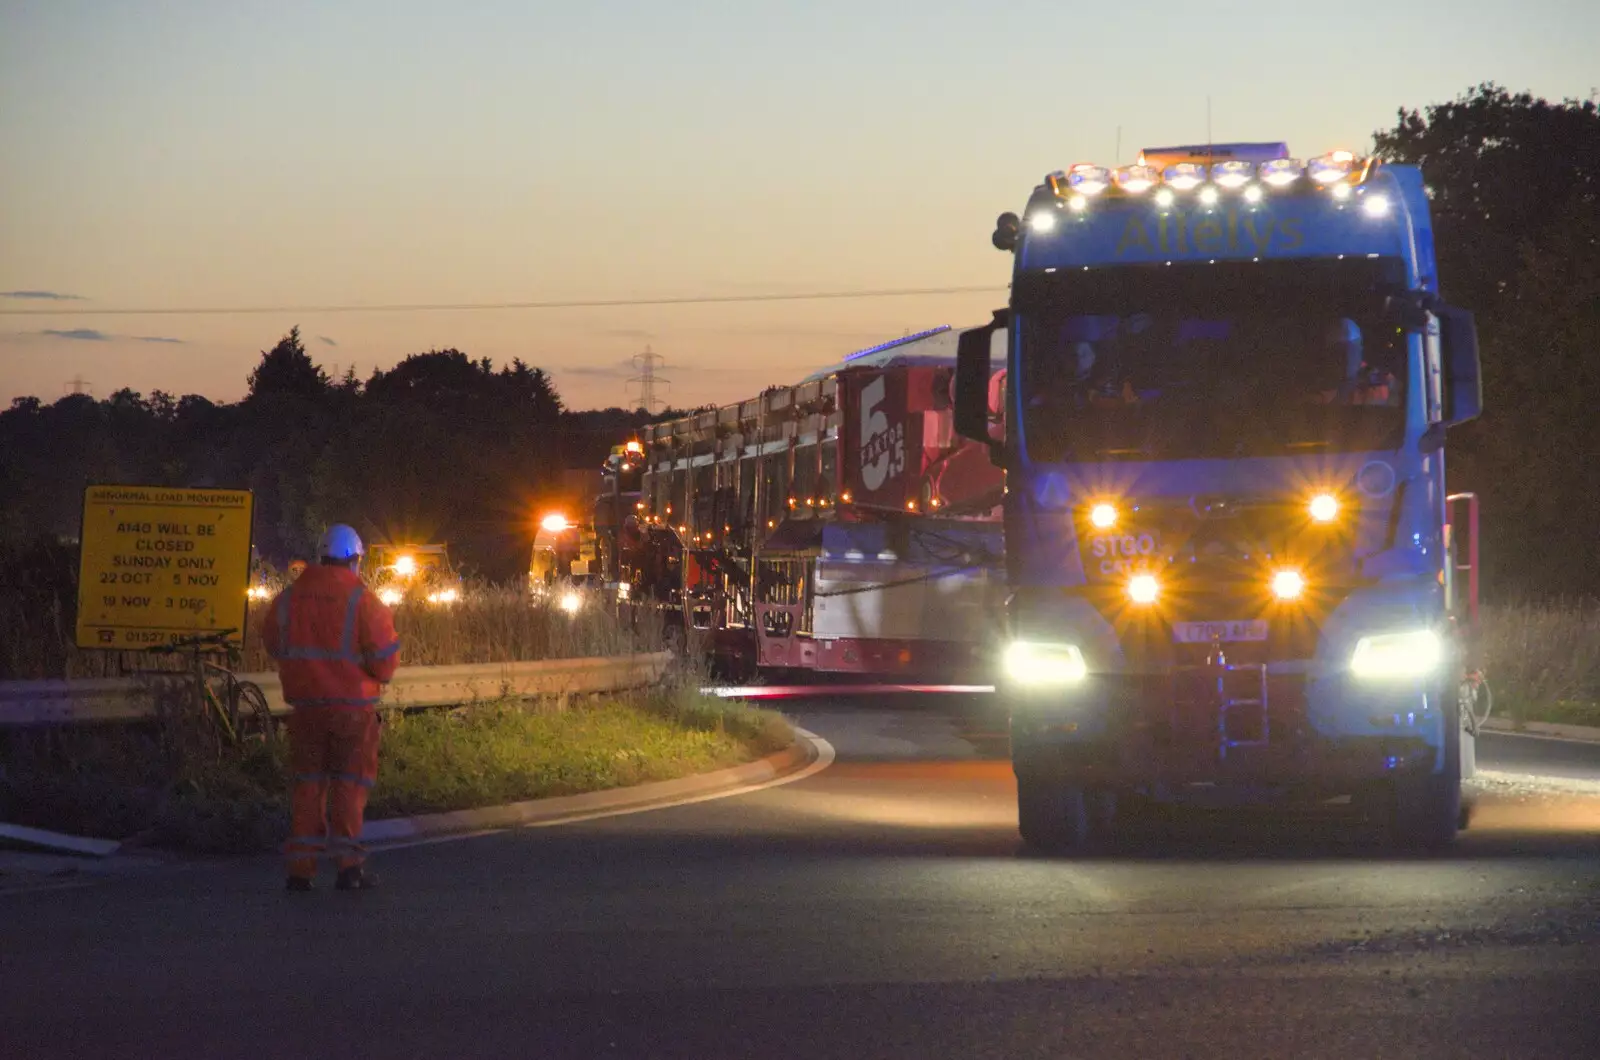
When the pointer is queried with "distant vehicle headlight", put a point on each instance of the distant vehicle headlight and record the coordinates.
(391, 597)
(444, 596)
(1413, 654)
(571, 602)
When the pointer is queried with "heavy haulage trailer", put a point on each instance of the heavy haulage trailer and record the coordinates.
(1235, 572)
(836, 526)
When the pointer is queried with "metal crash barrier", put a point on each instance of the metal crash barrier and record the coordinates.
(124, 699)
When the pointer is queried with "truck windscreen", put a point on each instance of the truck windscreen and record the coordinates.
(1192, 361)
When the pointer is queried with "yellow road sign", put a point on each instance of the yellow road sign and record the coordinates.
(160, 563)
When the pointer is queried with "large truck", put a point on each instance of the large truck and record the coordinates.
(1235, 572)
(834, 526)
(566, 552)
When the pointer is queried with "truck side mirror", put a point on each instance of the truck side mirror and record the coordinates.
(1463, 376)
(972, 380)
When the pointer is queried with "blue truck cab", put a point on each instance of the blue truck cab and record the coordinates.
(1231, 569)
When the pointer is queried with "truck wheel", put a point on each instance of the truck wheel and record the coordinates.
(1053, 816)
(1426, 812)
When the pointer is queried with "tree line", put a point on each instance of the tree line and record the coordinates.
(443, 446)
(1515, 187)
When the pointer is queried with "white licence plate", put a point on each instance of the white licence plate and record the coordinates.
(1207, 632)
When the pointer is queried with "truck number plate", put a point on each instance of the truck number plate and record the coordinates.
(1206, 632)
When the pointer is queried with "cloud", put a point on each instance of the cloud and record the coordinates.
(42, 296)
(95, 335)
(79, 334)
(325, 339)
(619, 369)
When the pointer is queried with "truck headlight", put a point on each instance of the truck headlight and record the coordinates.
(1413, 654)
(1029, 663)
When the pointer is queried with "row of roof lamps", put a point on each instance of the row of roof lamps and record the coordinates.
(1336, 168)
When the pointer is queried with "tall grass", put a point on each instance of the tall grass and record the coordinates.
(1543, 660)
(490, 624)
(486, 624)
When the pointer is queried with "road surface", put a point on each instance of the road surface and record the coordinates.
(880, 908)
(1520, 753)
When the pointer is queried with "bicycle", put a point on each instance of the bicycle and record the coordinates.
(240, 711)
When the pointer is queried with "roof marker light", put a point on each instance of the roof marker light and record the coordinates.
(1077, 204)
(1235, 173)
(1340, 191)
(1165, 198)
(1375, 206)
(1184, 176)
(1086, 179)
(1136, 180)
(1253, 193)
(1281, 172)
(1042, 220)
(1331, 167)
(1209, 196)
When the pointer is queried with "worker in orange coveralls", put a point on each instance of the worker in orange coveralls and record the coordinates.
(336, 648)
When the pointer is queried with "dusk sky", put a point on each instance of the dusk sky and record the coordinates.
(221, 154)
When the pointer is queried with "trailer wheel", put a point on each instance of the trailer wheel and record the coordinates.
(1053, 816)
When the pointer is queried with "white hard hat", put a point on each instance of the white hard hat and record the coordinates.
(339, 542)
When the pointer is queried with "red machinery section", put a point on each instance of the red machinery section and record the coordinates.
(738, 504)
(898, 447)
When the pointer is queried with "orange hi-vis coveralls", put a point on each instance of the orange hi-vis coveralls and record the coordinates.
(336, 648)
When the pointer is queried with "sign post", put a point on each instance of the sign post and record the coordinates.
(160, 563)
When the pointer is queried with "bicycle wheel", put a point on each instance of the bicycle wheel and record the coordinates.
(253, 719)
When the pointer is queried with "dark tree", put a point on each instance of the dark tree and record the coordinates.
(1515, 186)
(1501, 168)
(288, 370)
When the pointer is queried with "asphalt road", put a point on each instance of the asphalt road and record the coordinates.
(1539, 755)
(881, 907)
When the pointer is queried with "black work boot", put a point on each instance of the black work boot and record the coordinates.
(298, 883)
(356, 878)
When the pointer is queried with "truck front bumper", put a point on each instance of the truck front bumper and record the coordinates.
(1249, 737)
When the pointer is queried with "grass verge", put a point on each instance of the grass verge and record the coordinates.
(433, 761)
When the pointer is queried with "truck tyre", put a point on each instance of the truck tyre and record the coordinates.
(1053, 816)
(1426, 812)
